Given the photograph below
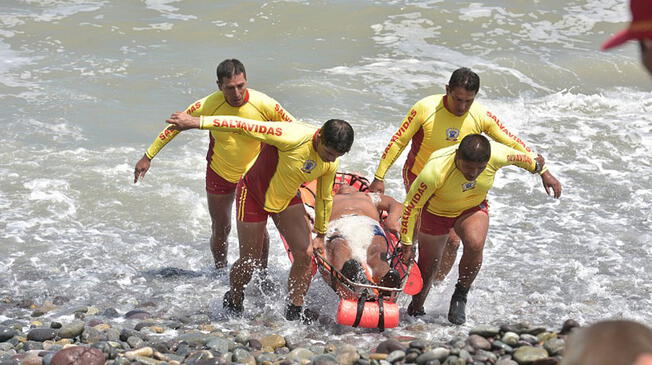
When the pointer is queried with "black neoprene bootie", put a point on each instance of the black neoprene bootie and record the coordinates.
(296, 312)
(229, 304)
(415, 312)
(457, 309)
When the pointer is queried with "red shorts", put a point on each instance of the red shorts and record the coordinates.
(408, 178)
(215, 184)
(249, 210)
(436, 225)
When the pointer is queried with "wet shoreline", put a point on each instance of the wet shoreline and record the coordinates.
(48, 333)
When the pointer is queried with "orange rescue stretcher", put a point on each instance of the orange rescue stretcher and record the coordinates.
(374, 306)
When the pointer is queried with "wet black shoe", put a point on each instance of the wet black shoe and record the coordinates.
(457, 309)
(296, 312)
(266, 284)
(415, 312)
(230, 305)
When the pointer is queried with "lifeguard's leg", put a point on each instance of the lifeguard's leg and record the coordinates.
(293, 226)
(431, 248)
(219, 208)
(251, 238)
(472, 229)
(450, 254)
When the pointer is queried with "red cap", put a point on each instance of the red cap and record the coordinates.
(640, 27)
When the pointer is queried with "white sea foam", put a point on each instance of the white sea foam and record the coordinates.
(74, 224)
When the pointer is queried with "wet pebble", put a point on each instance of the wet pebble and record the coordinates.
(395, 356)
(529, 354)
(325, 359)
(485, 331)
(92, 335)
(78, 355)
(554, 346)
(41, 334)
(510, 338)
(137, 314)
(6, 333)
(71, 330)
(273, 341)
(388, 346)
(479, 342)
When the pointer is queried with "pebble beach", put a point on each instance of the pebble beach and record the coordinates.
(44, 334)
(97, 269)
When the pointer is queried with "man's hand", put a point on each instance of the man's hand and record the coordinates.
(377, 186)
(183, 121)
(142, 166)
(407, 253)
(550, 182)
(318, 244)
(392, 225)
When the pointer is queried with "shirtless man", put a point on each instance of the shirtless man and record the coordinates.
(355, 237)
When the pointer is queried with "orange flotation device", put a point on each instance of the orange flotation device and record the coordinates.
(375, 306)
(367, 314)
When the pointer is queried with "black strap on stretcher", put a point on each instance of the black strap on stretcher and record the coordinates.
(362, 300)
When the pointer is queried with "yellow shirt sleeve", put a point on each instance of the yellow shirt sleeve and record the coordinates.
(168, 134)
(423, 187)
(273, 111)
(324, 199)
(409, 126)
(284, 136)
(502, 155)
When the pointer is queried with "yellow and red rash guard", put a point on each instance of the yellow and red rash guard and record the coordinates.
(287, 159)
(228, 154)
(446, 190)
(430, 127)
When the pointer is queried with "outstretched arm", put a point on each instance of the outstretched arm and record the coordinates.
(142, 166)
(549, 182)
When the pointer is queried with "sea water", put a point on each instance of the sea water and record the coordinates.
(85, 87)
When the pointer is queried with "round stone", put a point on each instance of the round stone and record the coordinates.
(6, 333)
(273, 341)
(71, 330)
(326, 359)
(479, 342)
(78, 355)
(510, 338)
(529, 354)
(41, 334)
(388, 346)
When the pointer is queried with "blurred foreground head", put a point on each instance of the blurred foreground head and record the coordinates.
(640, 29)
(618, 342)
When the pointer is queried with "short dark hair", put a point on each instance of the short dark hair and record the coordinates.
(229, 68)
(465, 78)
(337, 134)
(474, 148)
